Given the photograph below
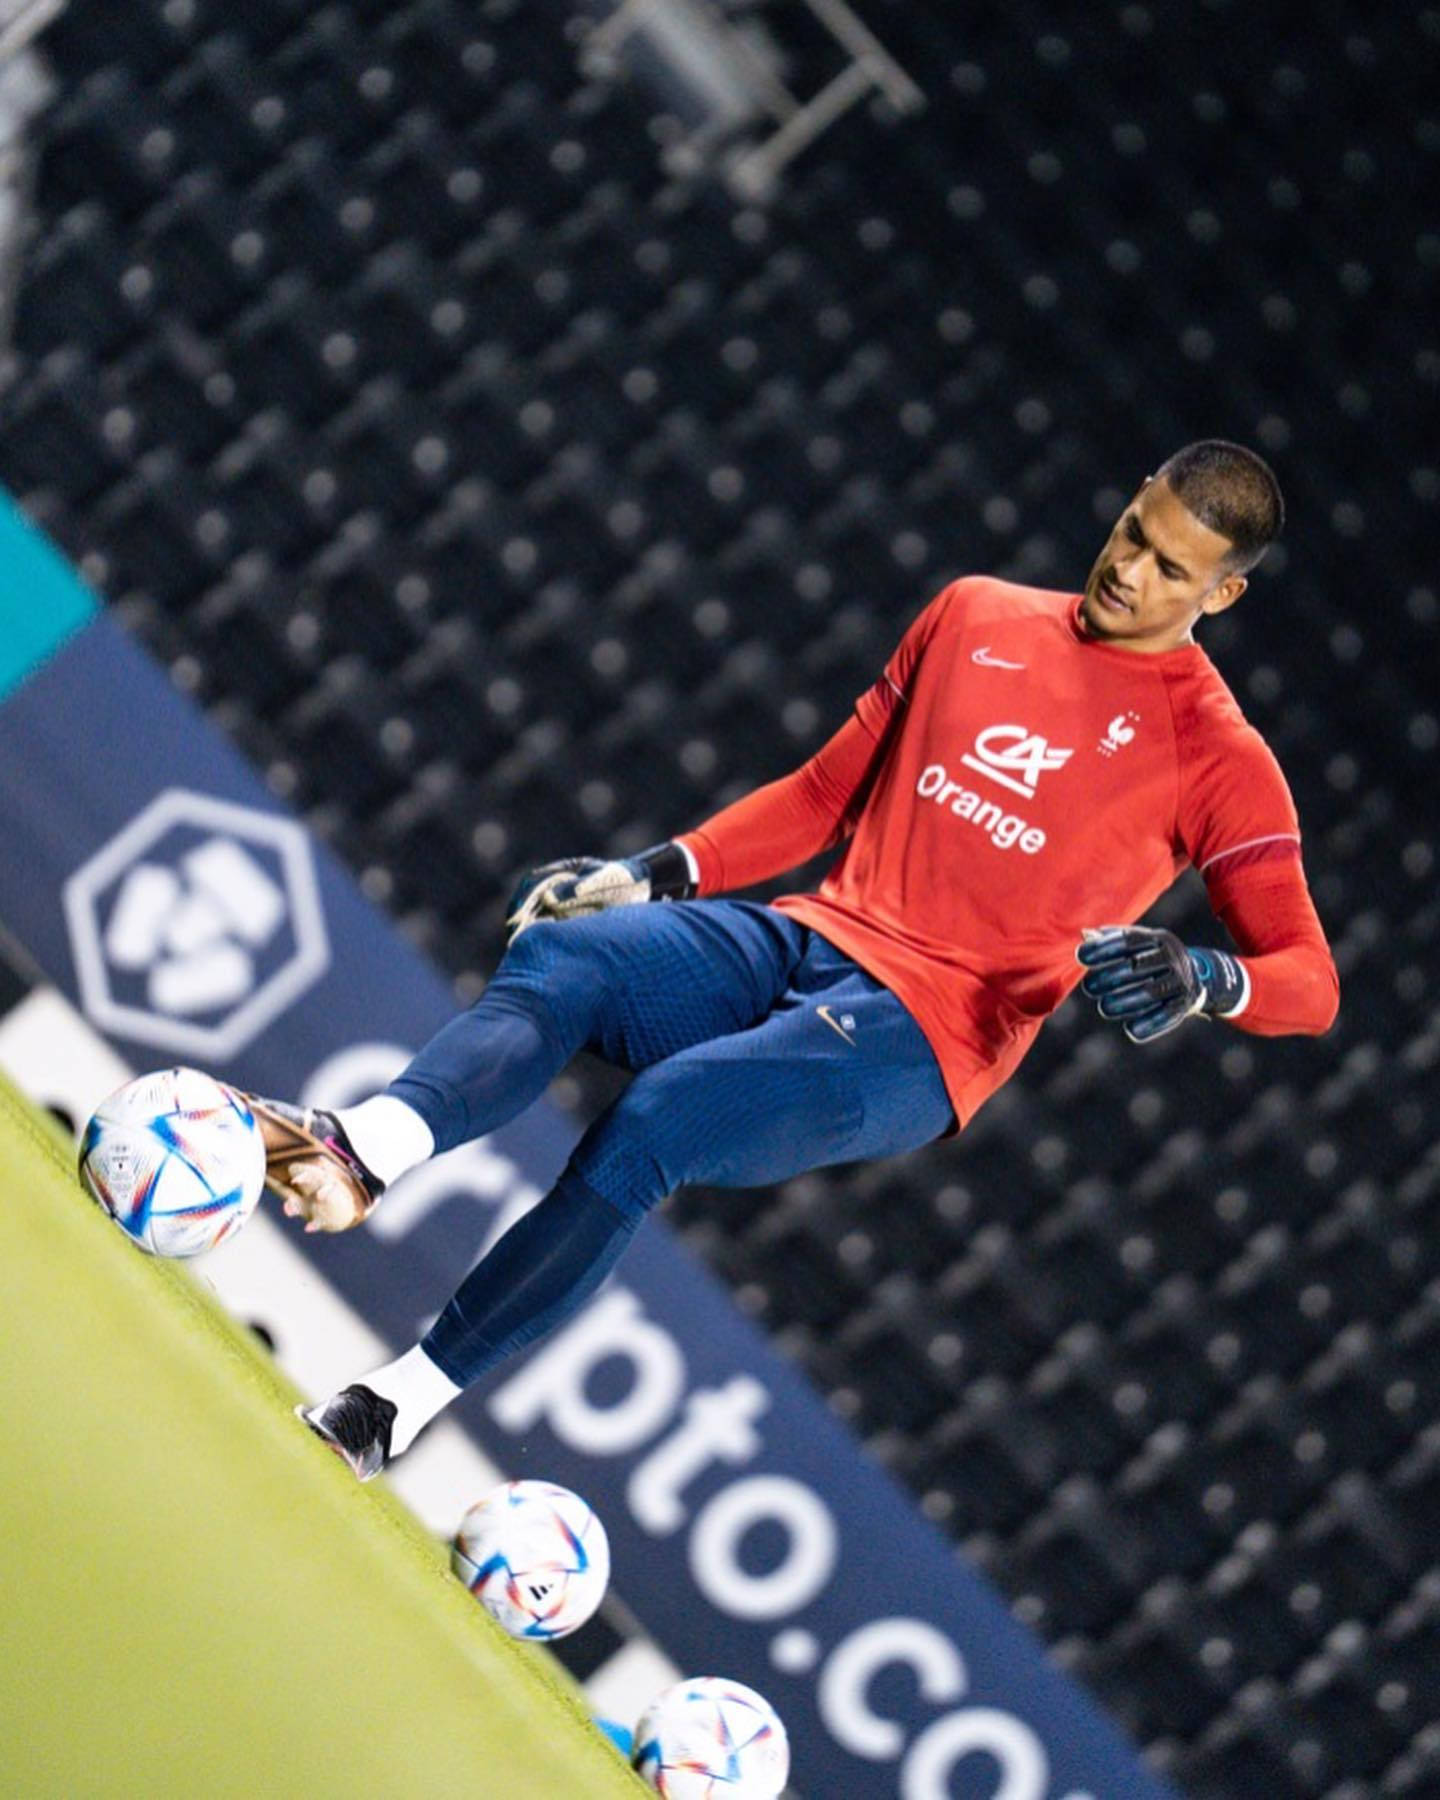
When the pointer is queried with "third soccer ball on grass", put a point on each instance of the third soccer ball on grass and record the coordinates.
(712, 1739)
(536, 1558)
(176, 1159)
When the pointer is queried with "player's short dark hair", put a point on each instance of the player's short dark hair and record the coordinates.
(1233, 491)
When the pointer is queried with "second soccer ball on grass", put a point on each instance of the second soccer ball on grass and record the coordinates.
(535, 1556)
(708, 1737)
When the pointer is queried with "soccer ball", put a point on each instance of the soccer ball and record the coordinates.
(712, 1739)
(536, 1558)
(176, 1159)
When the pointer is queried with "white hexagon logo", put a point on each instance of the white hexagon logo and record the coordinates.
(196, 925)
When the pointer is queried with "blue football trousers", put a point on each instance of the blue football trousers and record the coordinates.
(759, 1051)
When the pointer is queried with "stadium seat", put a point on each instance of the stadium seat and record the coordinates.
(371, 593)
(182, 392)
(510, 306)
(1269, 1622)
(1339, 1726)
(145, 42)
(1260, 1297)
(340, 728)
(988, 1296)
(1167, 1343)
(88, 286)
(1146, 1671)
(443, 57)
(1246, 1751)
(900, 1385)
(388, 453)
(316, 215)
(262, 481)
(61, 431)
(1346, 1558)
(225, 111)
(428, 842)
(704, 504)
(985, 1461)
(335, 85)
(251, 619)
(1065, 1571)
(266, 24)
(296, 354)
(1404, 1664)
(1175, 1518)
(411, 320)
(483, 412)
(529, 42)
(693, 364)
(211, 257)
(426, 184)
(1413, 1392)
(1415, 1772)
(1261, 1465)
(107, 148)
(160, 532)
(803, 1283)
(1094, 1411)
(517, 156)
(1357, 1396)
(465, 702)
(556, 642)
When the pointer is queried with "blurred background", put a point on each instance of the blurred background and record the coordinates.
(526, 427)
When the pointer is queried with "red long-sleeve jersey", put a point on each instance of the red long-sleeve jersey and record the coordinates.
(1008, 781)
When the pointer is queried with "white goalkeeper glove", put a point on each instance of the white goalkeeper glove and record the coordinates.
(579, 885)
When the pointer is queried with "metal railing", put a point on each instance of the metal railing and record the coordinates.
(748, 124)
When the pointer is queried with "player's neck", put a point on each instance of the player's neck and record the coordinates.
(1157, 644)
(1146, 646)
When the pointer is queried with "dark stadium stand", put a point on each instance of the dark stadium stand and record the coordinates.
(504, 498)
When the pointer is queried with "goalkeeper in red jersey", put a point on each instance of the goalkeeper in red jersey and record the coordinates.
(1030, 771)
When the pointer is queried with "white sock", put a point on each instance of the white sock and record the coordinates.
(389, 1137)
(418, 1387)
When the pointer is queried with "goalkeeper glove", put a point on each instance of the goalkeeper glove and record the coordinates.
(1150, 982)
(577, 885)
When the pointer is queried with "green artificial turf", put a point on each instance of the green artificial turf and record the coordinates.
(196, 1598)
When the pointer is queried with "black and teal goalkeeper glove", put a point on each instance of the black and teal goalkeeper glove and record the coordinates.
(577, 885)
(1149, 982)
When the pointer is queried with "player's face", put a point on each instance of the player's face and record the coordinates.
(1159, 571)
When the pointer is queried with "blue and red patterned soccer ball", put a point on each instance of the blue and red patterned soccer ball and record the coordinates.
(712, 1739)
(535, 1556)
(176, 1159)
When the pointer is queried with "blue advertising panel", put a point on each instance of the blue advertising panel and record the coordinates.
(193, 919)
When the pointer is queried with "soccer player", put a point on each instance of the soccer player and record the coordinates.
(1031, 770)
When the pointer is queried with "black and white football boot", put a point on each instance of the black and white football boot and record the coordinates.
(356, 1423)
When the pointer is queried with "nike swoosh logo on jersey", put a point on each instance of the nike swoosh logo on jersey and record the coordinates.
(834, 1024)
(987, 661)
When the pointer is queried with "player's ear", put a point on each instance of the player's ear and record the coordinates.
(1223, 595)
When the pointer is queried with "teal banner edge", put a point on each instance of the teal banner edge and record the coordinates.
(42, 600)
